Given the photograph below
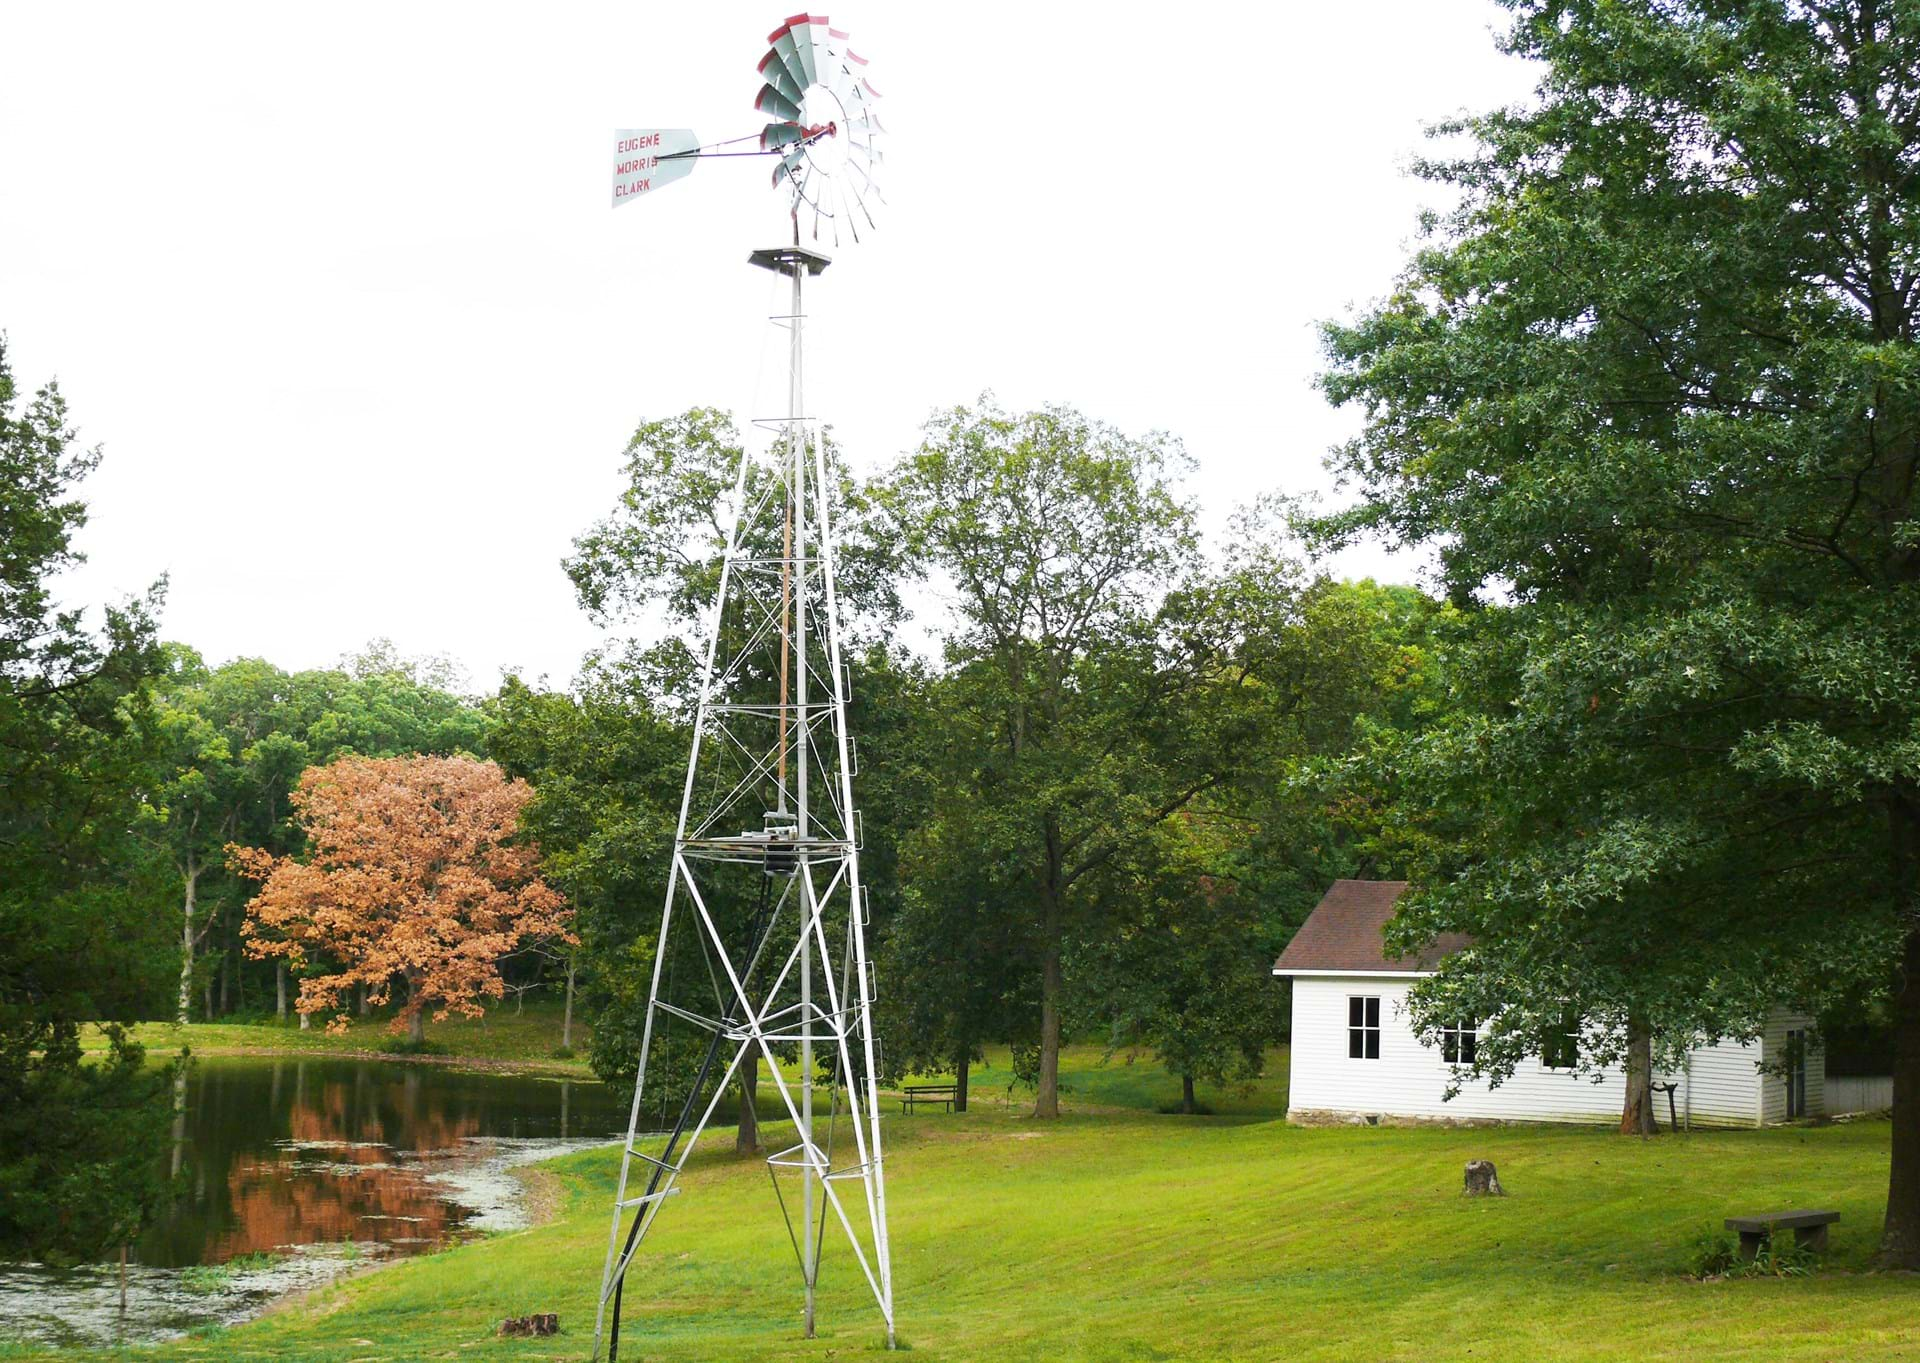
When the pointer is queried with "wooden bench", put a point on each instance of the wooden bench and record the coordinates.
(1809, 1229)
(911, 1095)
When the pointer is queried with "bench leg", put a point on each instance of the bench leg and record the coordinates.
(1750, 1242)
(1811, 1237)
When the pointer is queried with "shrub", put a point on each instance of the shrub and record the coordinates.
(1716, 1254)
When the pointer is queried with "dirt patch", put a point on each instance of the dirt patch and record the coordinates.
(305, 1298)
(544, 1193)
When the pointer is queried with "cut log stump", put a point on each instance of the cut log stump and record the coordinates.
(1482, 1180)
(548, 1324)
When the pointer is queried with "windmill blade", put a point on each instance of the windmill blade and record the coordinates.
(809, 33)
(777, 105)
(789, 45)
(775, 72)
(646, 159)
(789, 170)
(776, 135)
(781, 53)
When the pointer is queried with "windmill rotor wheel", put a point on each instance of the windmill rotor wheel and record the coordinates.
(824, 128)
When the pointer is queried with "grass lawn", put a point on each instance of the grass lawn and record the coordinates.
(526, 1040)
(1120, 1234)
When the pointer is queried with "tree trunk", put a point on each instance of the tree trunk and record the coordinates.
(1636, 1114)
(1046, 1096)
(360, 1000)
(417, 1026)
(1900, 1241)
(962, 1060)
(280, 987)
(1187, 1103)
(747, 1139)
(566, 1018)
(226, 979)
(306, 1021)
(206, 999)
(192, 878)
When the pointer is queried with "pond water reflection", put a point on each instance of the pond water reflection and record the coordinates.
(321, 1163)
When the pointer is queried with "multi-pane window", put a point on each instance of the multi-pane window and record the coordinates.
(1363, 1027)
(1560, 1047)
(1460, 1041)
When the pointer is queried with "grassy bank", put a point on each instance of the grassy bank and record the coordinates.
(526, 1040)
(1120, 1234)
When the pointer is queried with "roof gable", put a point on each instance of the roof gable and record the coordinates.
(1343, 934)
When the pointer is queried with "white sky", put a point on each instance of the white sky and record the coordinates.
(339, 290)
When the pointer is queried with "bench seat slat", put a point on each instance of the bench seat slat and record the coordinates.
(1781, 1220)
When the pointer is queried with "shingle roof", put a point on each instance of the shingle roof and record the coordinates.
(1343, 933)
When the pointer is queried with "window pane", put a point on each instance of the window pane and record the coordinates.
(1469, 1047)
(1373, 1041)
(1355, 1011)
(1373, 1012)
(1355, 1049)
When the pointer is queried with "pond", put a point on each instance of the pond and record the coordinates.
(293, 1171)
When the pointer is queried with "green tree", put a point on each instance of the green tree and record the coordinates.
(1099, 680)
(1655, 384)
(237, 739)
(958, 966)
(1186, 972)
(78, 940)
(606, 771)
(657, 556)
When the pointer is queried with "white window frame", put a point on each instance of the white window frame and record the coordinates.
(1367, 1028)
(1461, 1030)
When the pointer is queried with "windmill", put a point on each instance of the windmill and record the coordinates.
(761, 956)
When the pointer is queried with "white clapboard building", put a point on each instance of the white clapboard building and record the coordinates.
(1355, 1057)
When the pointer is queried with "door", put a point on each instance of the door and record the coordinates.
(1796, 1073)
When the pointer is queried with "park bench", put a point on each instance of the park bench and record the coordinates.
(1809, 1229)
(913, 1094)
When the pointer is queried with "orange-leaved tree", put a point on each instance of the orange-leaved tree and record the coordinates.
(412, 878)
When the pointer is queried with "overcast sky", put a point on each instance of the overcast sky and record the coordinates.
(339, 290)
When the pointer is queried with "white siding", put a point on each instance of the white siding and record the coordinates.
(1854, 1093)
(1409, 1079)
(1719, 1085)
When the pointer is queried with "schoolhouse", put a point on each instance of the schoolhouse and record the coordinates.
(1355, 1056)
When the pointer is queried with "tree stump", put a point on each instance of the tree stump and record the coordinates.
(548, 1324)
(1482, 1181)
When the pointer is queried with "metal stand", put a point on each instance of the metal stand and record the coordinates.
(755, 913)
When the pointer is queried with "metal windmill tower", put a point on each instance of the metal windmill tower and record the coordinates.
(761, 957)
